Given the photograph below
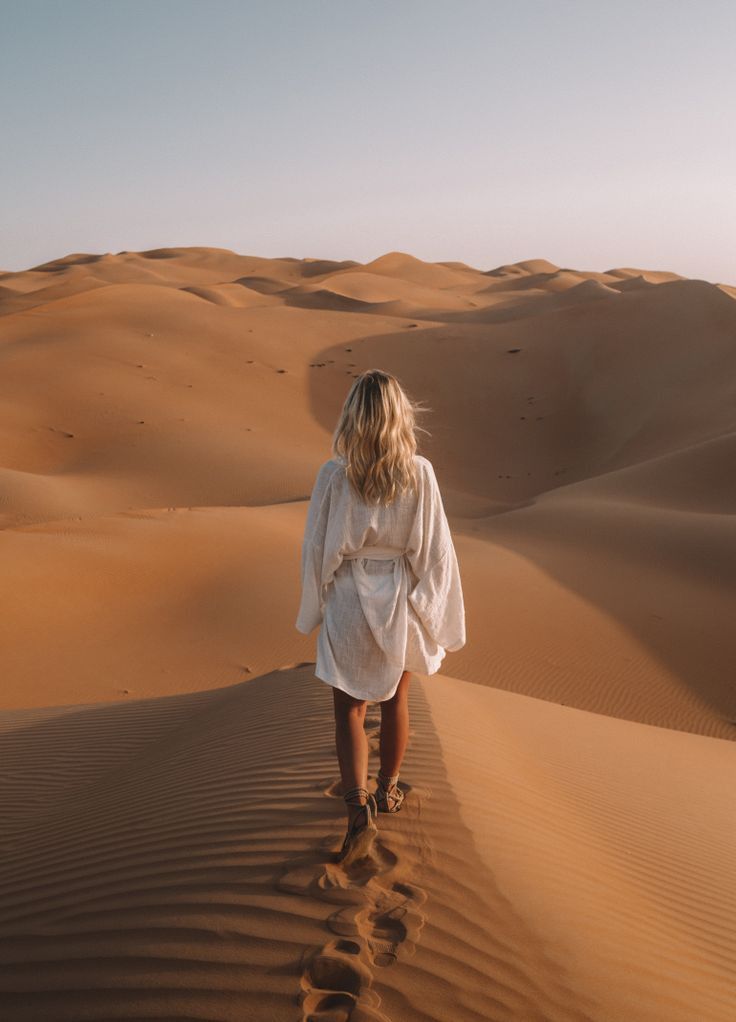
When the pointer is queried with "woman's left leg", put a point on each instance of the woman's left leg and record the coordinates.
(351, 743)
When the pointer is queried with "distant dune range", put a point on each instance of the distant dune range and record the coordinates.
(167, 785)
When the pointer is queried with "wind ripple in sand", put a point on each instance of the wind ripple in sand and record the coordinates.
(174, 859)
(144, 853)
(141, 846)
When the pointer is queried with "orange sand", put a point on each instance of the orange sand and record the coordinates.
(566, 851)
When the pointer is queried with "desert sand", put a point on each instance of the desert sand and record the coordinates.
(567, 849)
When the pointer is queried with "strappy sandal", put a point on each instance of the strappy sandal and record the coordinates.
(389, 795)
(359, 838)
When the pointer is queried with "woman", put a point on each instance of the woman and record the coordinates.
(380, 574)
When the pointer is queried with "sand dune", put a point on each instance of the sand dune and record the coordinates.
(169, 800)
(652, 276)
(529, 267)
(406, 267)
(159, 861)
(234, 295)
(372, 288)
(579, 820)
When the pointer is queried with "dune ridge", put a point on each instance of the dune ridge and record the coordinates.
(158, 860)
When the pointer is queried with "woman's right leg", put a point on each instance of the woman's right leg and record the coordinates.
(395, 728)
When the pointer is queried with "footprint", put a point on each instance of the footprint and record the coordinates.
(411, 893)
(376, 921)
(334, 971)
(388, 925)
(319, 1006)
(387, 933)
(347, 947)
(325, 1007)
(335, 986)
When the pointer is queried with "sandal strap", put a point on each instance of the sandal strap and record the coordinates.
(391, 796)
(355, 793)
(370, 806)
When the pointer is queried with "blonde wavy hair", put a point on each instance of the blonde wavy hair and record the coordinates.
(376, 437)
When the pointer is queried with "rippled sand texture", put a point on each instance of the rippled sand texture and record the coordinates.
(168, 786)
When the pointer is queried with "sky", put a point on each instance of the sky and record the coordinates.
(591, 134)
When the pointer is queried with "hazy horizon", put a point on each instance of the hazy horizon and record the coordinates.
(476, 133)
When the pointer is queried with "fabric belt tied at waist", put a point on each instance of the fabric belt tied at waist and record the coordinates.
(384, 598)
(379, 553)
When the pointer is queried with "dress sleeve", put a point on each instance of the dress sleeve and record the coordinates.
(437, 596)
(313, 554)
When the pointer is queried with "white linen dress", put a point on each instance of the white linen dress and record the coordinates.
(383, 582)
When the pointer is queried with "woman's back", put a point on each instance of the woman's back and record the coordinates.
(364, 524)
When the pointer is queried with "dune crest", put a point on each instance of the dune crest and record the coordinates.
(173, 843)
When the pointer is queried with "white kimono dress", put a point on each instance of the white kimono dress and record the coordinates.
(383, 582)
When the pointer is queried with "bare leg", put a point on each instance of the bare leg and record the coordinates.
(351, 742)
(395, 728)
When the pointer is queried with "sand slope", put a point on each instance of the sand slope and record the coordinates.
(168, 799)
(159, 861)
